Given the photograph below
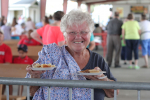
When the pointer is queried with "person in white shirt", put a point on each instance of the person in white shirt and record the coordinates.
(29, 24)
(145, 38)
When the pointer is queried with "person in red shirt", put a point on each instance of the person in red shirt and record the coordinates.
(29, 41)
(51, 33)
(5, 57)
(5, 51)
(22, 59)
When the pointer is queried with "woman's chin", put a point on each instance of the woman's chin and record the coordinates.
(79, 49)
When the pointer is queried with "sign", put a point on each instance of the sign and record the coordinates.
(139, 9)
(120, 11)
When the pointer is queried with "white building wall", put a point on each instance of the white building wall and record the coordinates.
(126, 9)
(10, 16)
(34, 14)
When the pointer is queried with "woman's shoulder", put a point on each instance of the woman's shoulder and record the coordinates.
(95, 55)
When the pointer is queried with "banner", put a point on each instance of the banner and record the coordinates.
(139, 9)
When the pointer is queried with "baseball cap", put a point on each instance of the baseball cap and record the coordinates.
(23, 47)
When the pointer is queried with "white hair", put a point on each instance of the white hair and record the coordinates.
(76, 17)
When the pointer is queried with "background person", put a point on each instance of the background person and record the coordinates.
(145, 39)
(50, 33)
(14, 35)
(51, 21)
(2, 21)
(123, 51)
(91, 45)
(131, 36)
(6, 30)
(22, 59)
(20, 30)
(5, 51)
(37, 36)
(97, 29)
(114, 40)
(5, 58)
(77, 27)
(29, 41)
(29, 24)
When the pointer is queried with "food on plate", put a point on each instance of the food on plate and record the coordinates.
(94, 71)
(37, 65)
(47, 65)
(43, 65)
(90, 71)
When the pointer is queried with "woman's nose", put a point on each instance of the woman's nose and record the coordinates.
(78, 35)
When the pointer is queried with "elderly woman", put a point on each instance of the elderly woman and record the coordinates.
(77, 27)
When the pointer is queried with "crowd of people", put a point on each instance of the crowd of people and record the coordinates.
(125, 38)
(68, 42)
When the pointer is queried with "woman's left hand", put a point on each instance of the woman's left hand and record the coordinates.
(96, 77)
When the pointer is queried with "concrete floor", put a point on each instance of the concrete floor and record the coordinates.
(124, 74)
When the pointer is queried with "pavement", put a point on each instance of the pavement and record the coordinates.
(123, 74)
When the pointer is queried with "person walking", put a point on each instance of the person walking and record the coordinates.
(131, 37)
(145, 39)
(113, 40)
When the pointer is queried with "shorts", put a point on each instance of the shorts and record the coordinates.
(145, 47)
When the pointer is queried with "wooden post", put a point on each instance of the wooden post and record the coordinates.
(65, 6)
(4, 7)
(89, 10)
(79, 3)
(42, 8)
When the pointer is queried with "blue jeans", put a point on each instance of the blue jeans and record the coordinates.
(132, 45)
(145, 47)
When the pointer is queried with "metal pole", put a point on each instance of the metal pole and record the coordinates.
(49, 93)
(7, 90)
(92, 94)
(138, 94)
(115, 94)
(28, 91)
(76, 83)
(70, 93)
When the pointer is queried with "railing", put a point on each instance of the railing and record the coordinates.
(75, 84)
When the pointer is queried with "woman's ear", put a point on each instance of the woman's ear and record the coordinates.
(65, 40)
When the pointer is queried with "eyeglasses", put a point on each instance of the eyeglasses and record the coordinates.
(82, 33)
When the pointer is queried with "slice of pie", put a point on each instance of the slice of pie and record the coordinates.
(90, 71)
(43, 65)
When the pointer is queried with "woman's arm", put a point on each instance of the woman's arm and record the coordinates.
(36, 36)
(33, 74)
(139, 32)
(92, 45)
(109, 92)
(61, 43)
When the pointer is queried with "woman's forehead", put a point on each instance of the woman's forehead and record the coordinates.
(78, 27)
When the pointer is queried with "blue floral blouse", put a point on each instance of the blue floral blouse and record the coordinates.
(66, 68)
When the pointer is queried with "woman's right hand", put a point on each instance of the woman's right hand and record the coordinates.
(34, 74)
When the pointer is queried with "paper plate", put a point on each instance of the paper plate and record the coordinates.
(80, 73)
